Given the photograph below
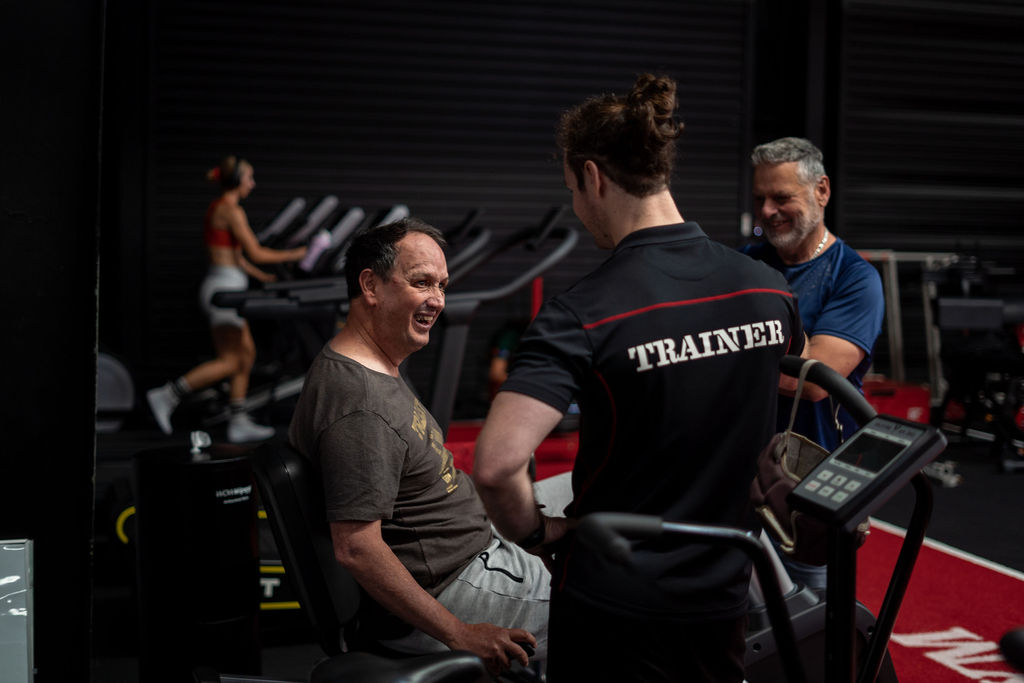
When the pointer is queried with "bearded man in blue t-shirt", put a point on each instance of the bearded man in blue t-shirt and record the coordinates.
(839, 293)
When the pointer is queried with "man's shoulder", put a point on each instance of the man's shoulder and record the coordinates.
(763, 253)
(343, 367)
(343, 386)
(727, 265)
(759, 262)
(758, 250)
(851, 265)
(331, 367)
(850, 257)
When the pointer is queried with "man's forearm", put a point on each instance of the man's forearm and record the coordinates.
(376, 568)
(839, 354)
(515, 426)
(511, 506)
(360, 548)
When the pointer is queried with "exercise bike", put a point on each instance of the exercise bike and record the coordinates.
(842, 491)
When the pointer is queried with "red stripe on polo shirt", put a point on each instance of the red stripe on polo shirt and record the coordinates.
(686, 302)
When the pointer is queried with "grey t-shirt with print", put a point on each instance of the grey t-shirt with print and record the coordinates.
(382, 456)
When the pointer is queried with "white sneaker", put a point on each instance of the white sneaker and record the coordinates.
(241, 429)
(162, 402)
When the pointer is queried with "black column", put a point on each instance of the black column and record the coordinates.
(797, 78)
(49, 177)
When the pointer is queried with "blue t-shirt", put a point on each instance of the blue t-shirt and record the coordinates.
(839, 294)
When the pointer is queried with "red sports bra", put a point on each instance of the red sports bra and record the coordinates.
(217, 237)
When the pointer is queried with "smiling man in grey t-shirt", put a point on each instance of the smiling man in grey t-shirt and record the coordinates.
(409, 526)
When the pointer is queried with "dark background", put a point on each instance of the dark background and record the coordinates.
(113, 111)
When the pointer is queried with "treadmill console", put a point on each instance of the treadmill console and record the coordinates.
(866, 470)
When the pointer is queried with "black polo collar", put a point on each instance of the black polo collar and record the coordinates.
(662, 233)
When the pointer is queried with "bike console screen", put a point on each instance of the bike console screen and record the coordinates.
(871, 453)
(863, 472)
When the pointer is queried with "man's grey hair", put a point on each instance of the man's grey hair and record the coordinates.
(808, 157)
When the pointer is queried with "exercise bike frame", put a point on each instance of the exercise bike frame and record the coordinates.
(841, 589)
(609, 532)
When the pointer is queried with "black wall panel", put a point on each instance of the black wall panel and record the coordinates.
(442, 106)
(933, 124)
(49, 194)
(931, 132)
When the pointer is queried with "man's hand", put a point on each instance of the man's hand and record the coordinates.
(555, 529)
(358, 547)
(497, 646)
(839, 354)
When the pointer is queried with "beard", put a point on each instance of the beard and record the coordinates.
(803, 226)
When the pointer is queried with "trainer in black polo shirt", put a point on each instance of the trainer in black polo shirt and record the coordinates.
(665, 347)
(671, 348)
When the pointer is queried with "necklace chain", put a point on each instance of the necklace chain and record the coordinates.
(821, 244)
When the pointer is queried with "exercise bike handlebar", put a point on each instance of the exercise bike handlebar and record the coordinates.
(610, 534)
(835, 384)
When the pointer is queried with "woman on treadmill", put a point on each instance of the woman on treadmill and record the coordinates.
(233, 249)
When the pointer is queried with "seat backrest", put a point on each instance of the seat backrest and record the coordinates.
(294, 503)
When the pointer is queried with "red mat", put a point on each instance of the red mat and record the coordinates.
(956, 609)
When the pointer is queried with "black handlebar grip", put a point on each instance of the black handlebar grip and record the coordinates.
(1012, 647)
(607, 532)
(835, 384)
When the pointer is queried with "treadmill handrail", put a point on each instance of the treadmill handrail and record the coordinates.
(468, 223)
(460, 307)
(283, 219)
(568, 237)
(233, 299)
(346, 225)
(290, 285)
(532, 237)
(317, 217)
(480, 237)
